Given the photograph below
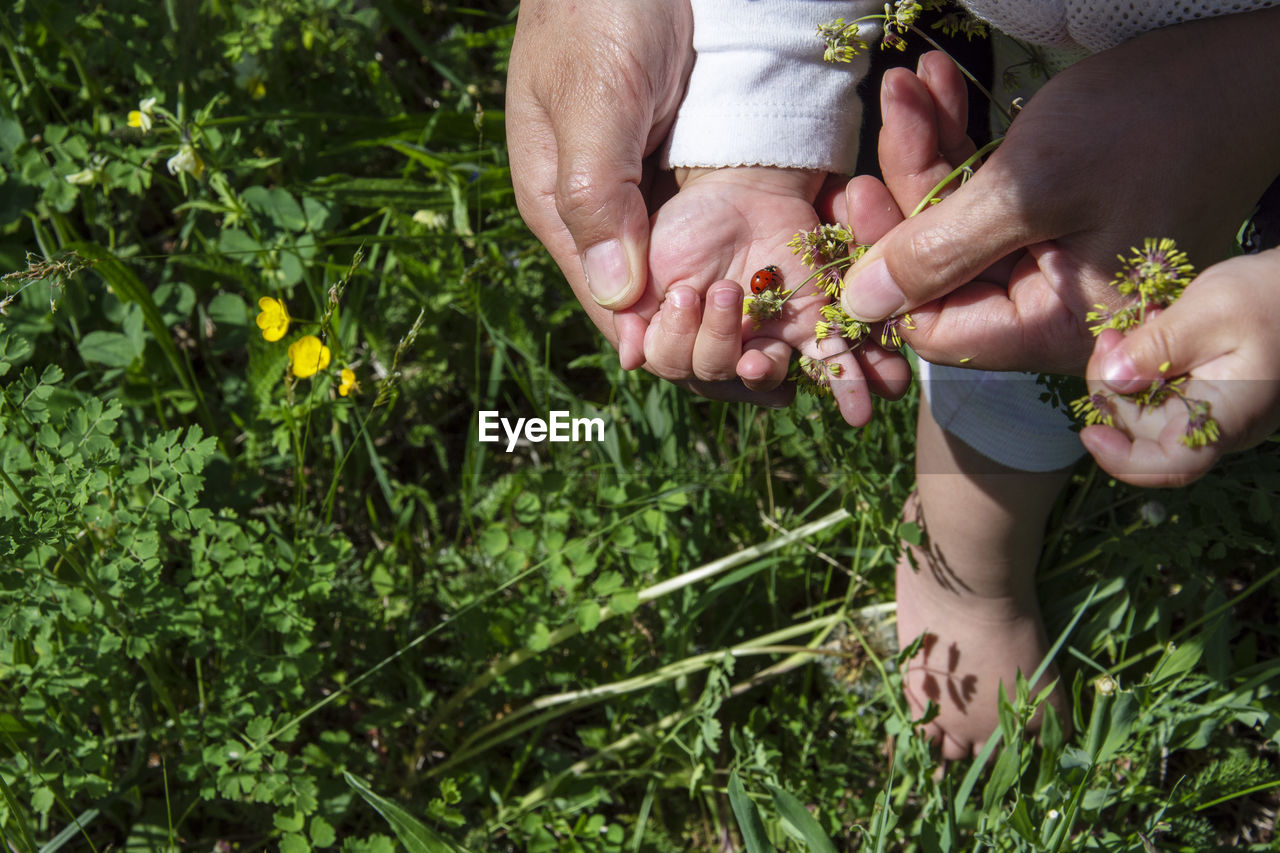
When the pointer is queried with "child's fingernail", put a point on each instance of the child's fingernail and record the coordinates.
(872, 294)
(726, 297)
(629, 356)
(1120, 372)
(682, 297)
(608, 272)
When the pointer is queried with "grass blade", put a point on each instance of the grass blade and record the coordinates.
(416, 836)
(749, 823)
(805, 823)
(76, 827)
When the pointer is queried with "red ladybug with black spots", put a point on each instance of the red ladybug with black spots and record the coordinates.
(766, 279)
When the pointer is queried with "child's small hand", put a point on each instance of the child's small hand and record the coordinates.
(1224, 331)
(727, 224)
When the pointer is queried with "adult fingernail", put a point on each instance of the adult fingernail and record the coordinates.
(872, 294)
(1120, 372)
(607, 270)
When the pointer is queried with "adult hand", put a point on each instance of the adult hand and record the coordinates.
(592, 90)
(1169, 135)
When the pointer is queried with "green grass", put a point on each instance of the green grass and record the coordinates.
(241, 611)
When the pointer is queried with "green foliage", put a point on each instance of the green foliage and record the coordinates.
(242, 607)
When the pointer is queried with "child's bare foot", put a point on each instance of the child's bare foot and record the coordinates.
(971, 592)
(972, 643)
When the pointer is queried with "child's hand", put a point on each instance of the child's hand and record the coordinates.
(727, 224)
(1225, 332)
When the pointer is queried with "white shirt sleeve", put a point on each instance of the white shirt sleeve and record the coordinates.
(1097, 25)
(761, 94)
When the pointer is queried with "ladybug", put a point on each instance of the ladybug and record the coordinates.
(766, 279)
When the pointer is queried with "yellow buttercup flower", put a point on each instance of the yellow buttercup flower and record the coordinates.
(274, 319)
(308, 356)
(141, 117)
(348, 383)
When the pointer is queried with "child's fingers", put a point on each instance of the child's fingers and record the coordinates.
(1208, 320)
(849, 387)
(942, 77)
(669, 343)
(888, 374)
(1162, 463)
(631, 325)
(719, 340)
(764, 362)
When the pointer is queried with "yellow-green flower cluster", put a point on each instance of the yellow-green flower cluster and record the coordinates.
(891, 331)
(1094, 409)
(821, 245)
(1152, 277)
(814, 376)
(826, 250)
(836, 323)
(1201, 429)
(841, 40)
(766, 305)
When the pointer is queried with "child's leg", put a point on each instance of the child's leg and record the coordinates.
(972, 590)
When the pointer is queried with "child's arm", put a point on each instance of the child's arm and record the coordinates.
(1225, 332)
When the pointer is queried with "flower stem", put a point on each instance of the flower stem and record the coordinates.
(1008, 116)
(966, 166)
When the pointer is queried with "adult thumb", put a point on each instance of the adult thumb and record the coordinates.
(600, 153)
(941, 248)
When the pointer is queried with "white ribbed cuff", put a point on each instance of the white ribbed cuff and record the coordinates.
(760, 92)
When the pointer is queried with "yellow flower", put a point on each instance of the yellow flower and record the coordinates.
(141, 117)
(186, 160)
(348, 383)
(274, 319)
(251, 77)
(307, 356)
